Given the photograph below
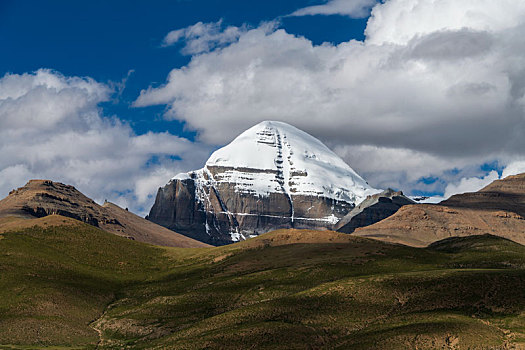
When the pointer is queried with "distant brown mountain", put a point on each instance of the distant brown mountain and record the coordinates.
(41, 198)
(498, 209)
(507, 195)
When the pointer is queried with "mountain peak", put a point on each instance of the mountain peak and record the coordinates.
(265, 138)
(290, 160)
(271, 176)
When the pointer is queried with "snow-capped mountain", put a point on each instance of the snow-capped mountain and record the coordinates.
(271, 176)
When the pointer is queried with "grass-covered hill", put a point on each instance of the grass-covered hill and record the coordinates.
(65, 284)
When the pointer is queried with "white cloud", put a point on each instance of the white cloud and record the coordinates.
(514, 168)
(203, 37)
(437, 89)
(351, 8)
(471, 184)
(474, 184)
(51, 127)
(399, 21)
(404, 168)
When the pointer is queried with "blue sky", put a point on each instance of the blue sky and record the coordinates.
(107, 39)
(423, 96)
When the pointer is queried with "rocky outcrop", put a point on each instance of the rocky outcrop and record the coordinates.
(373, 209)
(272, 176)
(41, 198)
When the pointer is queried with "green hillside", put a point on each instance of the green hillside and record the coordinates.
(75, 286)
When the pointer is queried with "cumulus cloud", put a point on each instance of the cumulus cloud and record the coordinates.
(399, 21)
(203, 37)
(51, 127)
(437, 86)
(351, 8)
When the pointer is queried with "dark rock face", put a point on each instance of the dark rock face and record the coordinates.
(177, 208)
(219, 214)
(373, 209)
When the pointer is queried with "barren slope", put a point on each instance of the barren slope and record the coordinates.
(505, 195)
(295, 236)
(373, 209)
(146, 231)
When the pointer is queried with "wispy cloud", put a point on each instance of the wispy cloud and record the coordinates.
(203, 37)
(351, 8)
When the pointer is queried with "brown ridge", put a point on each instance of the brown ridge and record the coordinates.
(498, 209)
(42, 198)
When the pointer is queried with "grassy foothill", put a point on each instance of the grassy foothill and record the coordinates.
(69, 285)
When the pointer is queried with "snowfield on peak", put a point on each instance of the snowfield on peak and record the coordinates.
(277, 157)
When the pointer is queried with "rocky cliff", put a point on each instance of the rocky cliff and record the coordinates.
(373, 209)
(272, 176)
